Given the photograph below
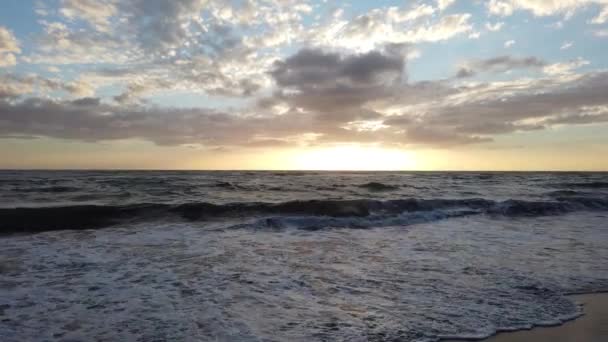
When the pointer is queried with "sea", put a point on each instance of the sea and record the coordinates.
(295, 256)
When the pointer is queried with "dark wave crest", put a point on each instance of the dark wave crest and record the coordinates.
(48, 189)
(375, 186)
(94, 216)
(584, 185)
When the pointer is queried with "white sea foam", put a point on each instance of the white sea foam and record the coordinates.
(458, 277)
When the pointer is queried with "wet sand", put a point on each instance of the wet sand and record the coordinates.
(592, 327)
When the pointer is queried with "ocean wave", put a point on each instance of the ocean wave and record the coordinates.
(313, 223)
(562, 193)
(343, 212)
(376, 186)
(583, 185)
(48, 189)
(229, 186)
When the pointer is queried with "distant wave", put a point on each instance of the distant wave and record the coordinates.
(48, 189)
(583, 185)
(375, 186)
(561, 193)
(229, 186)
(95, 216)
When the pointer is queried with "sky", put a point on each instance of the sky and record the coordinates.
(286, 84)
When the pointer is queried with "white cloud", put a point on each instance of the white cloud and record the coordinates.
(7, 60)
(13, 85)
(379, 27)
(547, 7)
(95, 12)
(566, 45)
(509, 43)
(399, 16)
(474, 35)
(9, 46)
(447, 27)
(601, 33)
(564, 68)
(443, 4)
(499, 7)
(602, 17)
(62, 44)
(495, 27)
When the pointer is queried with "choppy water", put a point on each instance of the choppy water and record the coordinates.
(309, 256)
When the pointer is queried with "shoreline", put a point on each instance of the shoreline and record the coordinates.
(590, 326)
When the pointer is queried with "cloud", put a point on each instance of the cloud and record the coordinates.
(444, 4)
(162, 25)
(14, 86)
(9, 46)
(7, 60)
(95, 12)
(601, 17)
(600, 33)
(465, 72)
(379, 27)
(214, 47)
(447, 27)
(565, 67)
(399, 16)
(61, 44)
(338, 88)
(495, 27)
(316, 68)
(499, 7)
(8, 42)
(346, 81)
(498, 64)
(543, 8)
(474, 35)
(327, 97)
(487, 110)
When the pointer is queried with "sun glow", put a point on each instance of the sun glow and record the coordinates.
(355, 157)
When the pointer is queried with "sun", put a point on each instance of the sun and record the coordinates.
(355, 157)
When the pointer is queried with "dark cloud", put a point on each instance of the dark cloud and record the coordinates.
(465, 72)
(92, 120)
(87, 101)
(316, 69)
(335, 88)
(502, 63)
(528, 109)
(499, 64)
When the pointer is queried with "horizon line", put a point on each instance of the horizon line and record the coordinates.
(293, 170)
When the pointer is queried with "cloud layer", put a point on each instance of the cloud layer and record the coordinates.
(286, 73)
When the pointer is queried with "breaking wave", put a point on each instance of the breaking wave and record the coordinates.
(310, 214)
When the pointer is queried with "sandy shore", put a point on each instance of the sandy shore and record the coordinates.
(592, 327)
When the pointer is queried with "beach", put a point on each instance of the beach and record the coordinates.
(591, 327)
